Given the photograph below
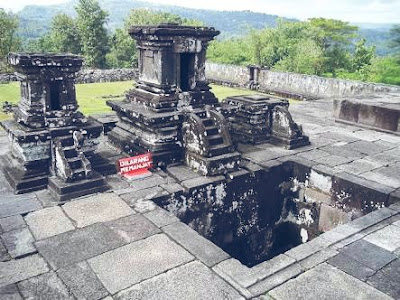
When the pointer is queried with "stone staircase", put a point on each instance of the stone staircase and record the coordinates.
(208, 146)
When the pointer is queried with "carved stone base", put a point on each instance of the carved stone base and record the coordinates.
(63, 191)
(211, 166)
(290, 143)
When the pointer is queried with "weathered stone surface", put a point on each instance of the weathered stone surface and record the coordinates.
(326, 282)
(372, 218)
(351, 266)
(74, 246)
(161, 217)
(147, 258)
(387, 279)
(368, 254)
(317, 258)
(98, 208)
(82, 282)
(190, 281)
(360, 166)
(388, 238)
(331, 217)
(201, 248)
(48, 222)
(19, 242)
(182, 173)
(10, 292)
(11, 223)
(133, 228)
(276, 279)
(3, 252)
(302, 251)
(16, 205)
(139, 199)
(17, 270)
(46, 286)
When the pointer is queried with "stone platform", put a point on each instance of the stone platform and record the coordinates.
(121, 245)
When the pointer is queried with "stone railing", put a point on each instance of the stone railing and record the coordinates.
(292, 83)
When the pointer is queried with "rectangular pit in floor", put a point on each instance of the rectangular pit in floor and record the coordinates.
(258, 213)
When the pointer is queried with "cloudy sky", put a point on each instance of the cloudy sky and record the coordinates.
(366, 11)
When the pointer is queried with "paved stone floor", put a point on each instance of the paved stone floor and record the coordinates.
(121, 245)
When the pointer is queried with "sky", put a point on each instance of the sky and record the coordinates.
(356, 11)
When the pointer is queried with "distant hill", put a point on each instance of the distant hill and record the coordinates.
(36, 20)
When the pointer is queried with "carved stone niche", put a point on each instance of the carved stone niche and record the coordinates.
(42, 149)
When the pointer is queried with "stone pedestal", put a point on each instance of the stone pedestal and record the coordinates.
(49, 138)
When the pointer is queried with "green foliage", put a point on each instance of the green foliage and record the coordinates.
(395, 40)
(233, 51)
(8, 38)
(123, 52)
(363, 55)
(90, 22)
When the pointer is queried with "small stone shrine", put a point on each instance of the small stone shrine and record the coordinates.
(171, 112)
(51, 142)
(257, 119)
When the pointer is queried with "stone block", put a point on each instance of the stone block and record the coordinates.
(4, 256)
(133, 228)
(360, 166)
(333, 160)
(190, 281)
(330, 217)
(16, 205)
(161, 217)
(82, 282)
(45, 286)
(19, 242)
(351, 266)
(300, 252)
(17, 270)
(276, 279)
(182, 173)
(10, 292)
(74, 246)
(135, 262)
(326, 282)
(48, 222)
(99, 208)
(318, 258)
(387, 279)
(387, 238)
(136, 198)
(200, 247)
(12, 223)
(394, 197)
(372, 218)
(368, 254)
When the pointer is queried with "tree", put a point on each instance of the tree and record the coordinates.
(123, 52)
(362, 56)
(90, 22)
(65, 34)
(395, 40)
(8, 36)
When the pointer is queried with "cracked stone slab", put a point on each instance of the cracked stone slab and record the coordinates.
(45, 286)
(387, 238)
(74, 246)
(48, 222)
(190, 281)
(368, 254)
(19, 242)
(387, 279)
(132, 228)
(16, 270)
(135, 262)
(140, 200)
(10, 292)
(161, 217)
(326, 282)
(82, 282)
(16, 205)
(12, 223)
(203, 249)
(94, 209)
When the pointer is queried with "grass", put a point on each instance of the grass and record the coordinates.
(92, 97)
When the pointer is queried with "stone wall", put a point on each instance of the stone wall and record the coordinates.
(312, 86)
(90, 75)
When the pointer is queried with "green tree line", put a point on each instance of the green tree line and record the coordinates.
(318, 46)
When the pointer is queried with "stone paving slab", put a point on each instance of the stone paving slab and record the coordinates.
(351, 266)
(161, 217)
(12, 223)
(19, 242)
(82, 281)
(387, 279)
(74, 246)
(190, 281)
(204, 250)
(135, 262)
(4, 255)
(387, 238)
(16, 205)
(21, 269)
(97, 208)
(45, 286)
(48, 222)
(326, 282)
(10, 292)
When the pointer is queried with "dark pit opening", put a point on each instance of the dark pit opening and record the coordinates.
(186, 70)
(55, 89)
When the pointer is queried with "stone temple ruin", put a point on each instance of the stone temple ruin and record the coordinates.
(52, 143)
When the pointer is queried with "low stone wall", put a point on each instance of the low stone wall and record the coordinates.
(281, 82)
(90, 76)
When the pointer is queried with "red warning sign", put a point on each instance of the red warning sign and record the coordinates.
(135, 165)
